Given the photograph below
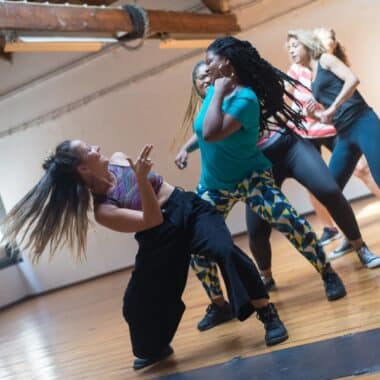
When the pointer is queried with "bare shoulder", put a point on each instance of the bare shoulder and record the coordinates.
(119, 158)
(327, 60)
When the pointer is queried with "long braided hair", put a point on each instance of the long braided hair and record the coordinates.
(54, 211)
(268, 82)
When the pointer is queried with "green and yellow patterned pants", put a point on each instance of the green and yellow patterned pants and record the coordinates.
(261, 194)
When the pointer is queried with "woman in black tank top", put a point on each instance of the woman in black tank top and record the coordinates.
(334, 86)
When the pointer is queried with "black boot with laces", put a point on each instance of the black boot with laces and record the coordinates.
(275, 331)
(215, 315)
(334, 286)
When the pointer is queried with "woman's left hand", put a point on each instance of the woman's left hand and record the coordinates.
(224, 85)
(143, 163)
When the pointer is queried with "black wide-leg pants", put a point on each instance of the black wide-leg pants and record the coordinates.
(153, 306)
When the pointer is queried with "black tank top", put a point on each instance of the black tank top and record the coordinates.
(326, 87)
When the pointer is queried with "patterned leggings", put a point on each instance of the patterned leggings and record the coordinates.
(261, 194)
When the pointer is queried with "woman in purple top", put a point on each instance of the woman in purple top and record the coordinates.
(169, 224)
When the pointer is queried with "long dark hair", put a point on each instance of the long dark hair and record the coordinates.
(54, 211)
(265, 80)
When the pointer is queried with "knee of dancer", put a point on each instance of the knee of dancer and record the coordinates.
(220, 250)
(361, 170)
(331, 196)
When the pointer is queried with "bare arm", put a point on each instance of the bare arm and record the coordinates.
(190, 146)
(351, 81)
(127, 220)
(217, 125)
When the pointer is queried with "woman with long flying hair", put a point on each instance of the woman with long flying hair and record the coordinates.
(169, 224)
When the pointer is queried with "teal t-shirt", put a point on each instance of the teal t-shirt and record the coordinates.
(225, 163)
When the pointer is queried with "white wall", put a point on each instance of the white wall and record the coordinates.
(122, 100)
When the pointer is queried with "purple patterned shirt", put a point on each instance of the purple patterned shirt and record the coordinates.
(125, 193)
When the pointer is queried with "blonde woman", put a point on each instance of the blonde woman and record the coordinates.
(328, 38)
(334, 86)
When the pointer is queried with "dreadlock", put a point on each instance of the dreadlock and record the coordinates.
(265, 80)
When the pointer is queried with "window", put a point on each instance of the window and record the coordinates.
(9, 253)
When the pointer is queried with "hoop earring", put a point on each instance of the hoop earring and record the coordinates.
(231, 75)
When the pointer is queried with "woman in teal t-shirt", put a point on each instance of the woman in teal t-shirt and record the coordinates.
(245, 99)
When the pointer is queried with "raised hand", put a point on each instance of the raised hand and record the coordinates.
(224, 85)
(143, 163)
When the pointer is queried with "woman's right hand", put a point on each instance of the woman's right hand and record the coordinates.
(181, 159)
(310, 107)
(143, 163)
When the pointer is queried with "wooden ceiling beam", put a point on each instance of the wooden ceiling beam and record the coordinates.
(18, 16)
(217, 6)
(35, 17)
(191, 23)
(78, 2)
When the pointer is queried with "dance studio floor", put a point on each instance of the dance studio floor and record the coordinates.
(79, 333)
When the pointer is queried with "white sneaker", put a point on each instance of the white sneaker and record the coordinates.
(344, 247)
(368, 258)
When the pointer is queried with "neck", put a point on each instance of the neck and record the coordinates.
(311, 64)
(101, 185)
(234, 85)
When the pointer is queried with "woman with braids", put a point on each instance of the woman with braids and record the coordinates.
(291, 157)
(169, 224)
(246, 98)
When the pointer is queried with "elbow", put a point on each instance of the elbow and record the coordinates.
(156, 221)
(355, 82)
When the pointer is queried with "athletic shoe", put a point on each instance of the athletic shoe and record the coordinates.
(367, 258)
(344, 247)
(329, 235)
(140, 363)
(275, 331)
(334, 286)
(215, 315)
(269, 283)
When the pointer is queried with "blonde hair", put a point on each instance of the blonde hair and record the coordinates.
(339, 51)
(192, 110)
(308, 39)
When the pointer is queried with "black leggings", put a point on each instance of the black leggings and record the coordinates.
(328, 142)
(153, 306)
(294, 157)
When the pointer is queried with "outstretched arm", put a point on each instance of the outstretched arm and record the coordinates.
(190, 146)
(127, 220)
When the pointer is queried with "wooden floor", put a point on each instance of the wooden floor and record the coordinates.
(79, 333)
